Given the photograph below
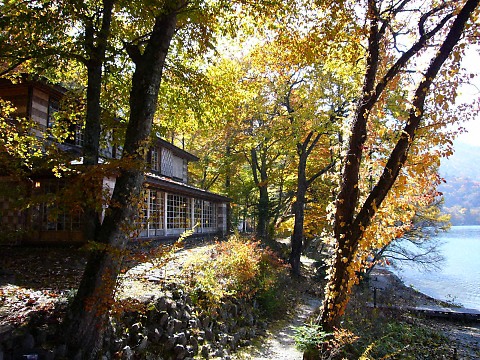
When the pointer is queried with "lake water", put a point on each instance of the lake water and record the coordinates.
(458, 279)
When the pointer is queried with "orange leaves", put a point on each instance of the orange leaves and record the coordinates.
(237, 267)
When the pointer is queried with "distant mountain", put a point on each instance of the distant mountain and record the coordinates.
(462, 188)
(464, 163)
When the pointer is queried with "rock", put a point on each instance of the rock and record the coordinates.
(127, 353)
(181, 339)
(117, 345)
(163, 319)
(186, 316)
(136, 327)
(177, 294)
(236, 340)
(223, 327)
(206, 322)
(249, 319)
(194, 344)
(224, 314)
(190, 351)
(234, 310)
(241, 333)
(169, 343)
(143, 344)
(209, 336)
(219, 353)
(177, 325)
(170, 327)
(223, 339)
(180, 352)
(192, 323)
(205, 351)
(171, 306)
(262, 324)
(161, 304)
(156, 335)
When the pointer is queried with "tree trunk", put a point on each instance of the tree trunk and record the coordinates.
(92, 130)
(263, 205)
(263, 210)
(299, 210)
(349, 229)
(228, 176)
(87, 318)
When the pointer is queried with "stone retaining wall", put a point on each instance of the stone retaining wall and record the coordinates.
(170, 327)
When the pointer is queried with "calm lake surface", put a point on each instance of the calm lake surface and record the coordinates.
(458, 279)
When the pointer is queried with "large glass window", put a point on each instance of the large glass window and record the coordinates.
(152, 212)
(54, 214)
(197, 214)
(178, 212)
(209, 215)
(155, 159)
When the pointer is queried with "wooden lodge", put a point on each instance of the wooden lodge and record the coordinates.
(170, 204)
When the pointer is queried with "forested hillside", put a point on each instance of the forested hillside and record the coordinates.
(462, 188)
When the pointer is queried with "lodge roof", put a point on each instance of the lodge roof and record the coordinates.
(176, 150)
(178, 187)
(38, 82)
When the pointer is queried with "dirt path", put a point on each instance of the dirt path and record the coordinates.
(280, 344)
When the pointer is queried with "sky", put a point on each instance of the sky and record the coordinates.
(472, 137)
(467, 94)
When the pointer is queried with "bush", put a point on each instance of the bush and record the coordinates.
(235, 268)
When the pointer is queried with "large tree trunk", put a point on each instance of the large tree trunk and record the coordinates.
(95, 50)
(87, 318)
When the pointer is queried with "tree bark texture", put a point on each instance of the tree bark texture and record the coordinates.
(95, 51)
(86, 321)
(299, 209)
(259, 170)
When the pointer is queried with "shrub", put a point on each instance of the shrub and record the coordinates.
(237, 267)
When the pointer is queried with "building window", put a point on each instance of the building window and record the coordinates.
(152, 212)
(209, 215)
(155, 159)
(53, 107)
(197, 213)
(178, 212)
(167, 163)
(78, 135)
(54, 215)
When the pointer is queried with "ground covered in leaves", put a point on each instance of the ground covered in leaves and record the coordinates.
(34, 279)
